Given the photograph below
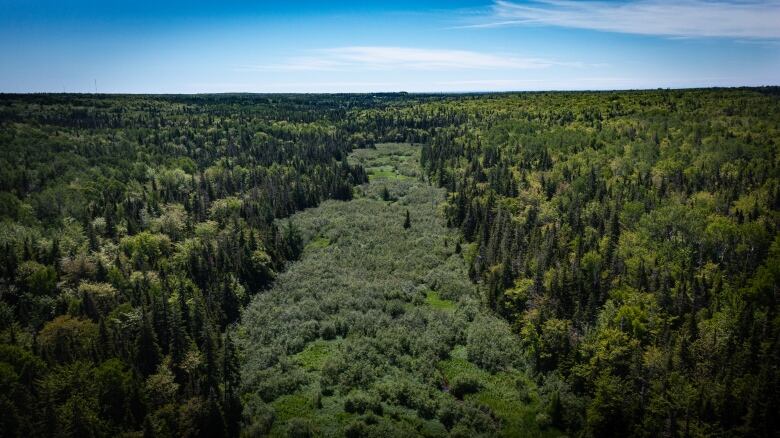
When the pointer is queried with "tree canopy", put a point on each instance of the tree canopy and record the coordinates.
(623, 247)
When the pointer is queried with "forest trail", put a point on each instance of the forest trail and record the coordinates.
(372, 333)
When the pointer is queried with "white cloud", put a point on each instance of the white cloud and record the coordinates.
(404, 58)
(587, 83)
(748, 19)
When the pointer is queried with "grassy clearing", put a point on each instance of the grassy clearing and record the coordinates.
(315, 354)
(290, 406)
(389, 161)
(511, 395)
(317, 243)
(385, 172)
(432, 299)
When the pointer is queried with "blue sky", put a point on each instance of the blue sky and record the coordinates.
(417, 46)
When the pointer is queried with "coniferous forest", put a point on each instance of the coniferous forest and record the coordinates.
(538, 264)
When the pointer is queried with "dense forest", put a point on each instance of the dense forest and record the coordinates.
(134, 231)
(588, 264)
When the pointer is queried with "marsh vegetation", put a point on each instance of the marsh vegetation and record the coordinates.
(377, 329)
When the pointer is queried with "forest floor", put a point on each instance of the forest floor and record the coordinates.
(377, 330)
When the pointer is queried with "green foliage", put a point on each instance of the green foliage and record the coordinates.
(365, 323)
(318, 242)
(433, 299)
(317, 353)
(464, 385)
(622, 248)
(618, 233)
(37, 278)
(66, 338)
(146, 249)
(490, 344)
(361, 402)
(134, 229)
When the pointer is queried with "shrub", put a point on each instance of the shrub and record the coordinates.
(464, 385)
(360, 402)
(490, 344)
(328, 330)
(543, 420)
(356, 429)
(300, 428)
(258, 417)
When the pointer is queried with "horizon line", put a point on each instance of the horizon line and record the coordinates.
(551, 90)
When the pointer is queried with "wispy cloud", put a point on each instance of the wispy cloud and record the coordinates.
(748, 19)
(586, 83)
(404, 58)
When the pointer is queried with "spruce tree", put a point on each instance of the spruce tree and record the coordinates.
(231, 380)
(147, 351)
